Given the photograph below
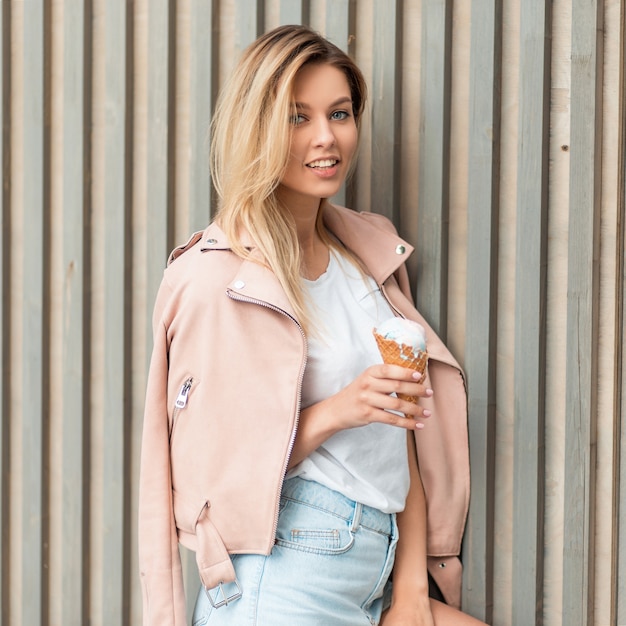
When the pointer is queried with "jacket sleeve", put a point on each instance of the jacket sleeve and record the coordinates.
(447, 485)
(159, 557)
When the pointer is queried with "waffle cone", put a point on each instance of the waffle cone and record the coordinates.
(395, 353)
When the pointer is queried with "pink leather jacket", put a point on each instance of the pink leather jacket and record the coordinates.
(222, 405)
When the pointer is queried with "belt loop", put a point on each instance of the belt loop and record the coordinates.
(356, 519)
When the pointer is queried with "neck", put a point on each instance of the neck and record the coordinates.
(314, 249)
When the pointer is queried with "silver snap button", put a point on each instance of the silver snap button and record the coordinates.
(442, 565)
(211, 242)
(400, 249)
(239, 284)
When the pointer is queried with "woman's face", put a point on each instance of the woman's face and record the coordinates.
(324, 136)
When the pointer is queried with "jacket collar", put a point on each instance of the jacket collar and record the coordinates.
(381, 250)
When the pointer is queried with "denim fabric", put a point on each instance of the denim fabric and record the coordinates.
(330, 566)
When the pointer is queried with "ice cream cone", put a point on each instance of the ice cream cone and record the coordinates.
(395, 353)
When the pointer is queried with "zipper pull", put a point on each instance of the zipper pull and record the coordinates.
(181, 400)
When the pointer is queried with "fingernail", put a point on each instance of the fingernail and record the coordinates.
(426, 413)
(419, 425)
(416, 375)
(429, 392)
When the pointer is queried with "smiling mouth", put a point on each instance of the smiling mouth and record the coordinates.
(322, 163)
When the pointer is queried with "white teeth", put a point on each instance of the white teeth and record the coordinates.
(323, 163)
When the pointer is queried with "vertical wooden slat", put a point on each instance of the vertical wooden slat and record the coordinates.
(86, 277)
(618, 567)
(434, 166)
(249, 18)
(294, 11)
(116, 157)
(158, 165)
(339, 28)
(31, 602)
(530, 323)
(385, 103)
(72, 549)
(204, 60)
(480, 344)
(5, 289)
(582, 311)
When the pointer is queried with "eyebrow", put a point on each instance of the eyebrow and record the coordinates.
(344, 100)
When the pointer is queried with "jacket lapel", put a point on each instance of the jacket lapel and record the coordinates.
(382, 251)
(254, 281)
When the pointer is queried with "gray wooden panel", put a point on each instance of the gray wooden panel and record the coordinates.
(619, 566)
(385, 102)
(5, 287)
(73, 479)
(249, 22)
(160, 164)
(582, 312)
(35, 194)
(340, 24)
(294, 11)
(480, 344)
(340, 29)
(434, 165)
(530, 323)
(203, 92)
(115, 184)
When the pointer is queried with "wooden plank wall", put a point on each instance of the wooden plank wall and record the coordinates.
(495, 138)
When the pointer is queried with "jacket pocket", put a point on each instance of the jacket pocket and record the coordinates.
(180, 403)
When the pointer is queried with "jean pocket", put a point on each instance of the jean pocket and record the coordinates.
(316, 540)
(309, 529)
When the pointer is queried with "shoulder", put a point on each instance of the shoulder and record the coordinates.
(204, 246)
(381, 221)
(205, 263)
(357, 219)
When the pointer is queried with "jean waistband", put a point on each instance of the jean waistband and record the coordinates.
(317, 495)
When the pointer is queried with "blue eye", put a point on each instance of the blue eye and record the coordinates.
(339, 115)
(296, 120)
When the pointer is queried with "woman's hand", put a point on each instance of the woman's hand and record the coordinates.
(408, 616)
(436, 614)
(367, 399)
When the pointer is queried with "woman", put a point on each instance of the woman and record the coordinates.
(274, 444)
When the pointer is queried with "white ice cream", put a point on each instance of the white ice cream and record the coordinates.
(404, 331)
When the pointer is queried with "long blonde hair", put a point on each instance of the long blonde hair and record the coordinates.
(250, 143)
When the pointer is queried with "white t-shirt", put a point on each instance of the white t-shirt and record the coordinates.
(367, 464)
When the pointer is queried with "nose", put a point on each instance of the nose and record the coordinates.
(324, 135)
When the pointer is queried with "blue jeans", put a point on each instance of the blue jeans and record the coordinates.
(330, 566)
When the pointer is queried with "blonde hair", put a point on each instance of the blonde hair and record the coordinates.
(250, 143)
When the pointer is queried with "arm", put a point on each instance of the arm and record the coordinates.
(159, 559)
(364, 401)
(410, 603)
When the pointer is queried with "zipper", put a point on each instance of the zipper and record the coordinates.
(181, 402)
(238, 297)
